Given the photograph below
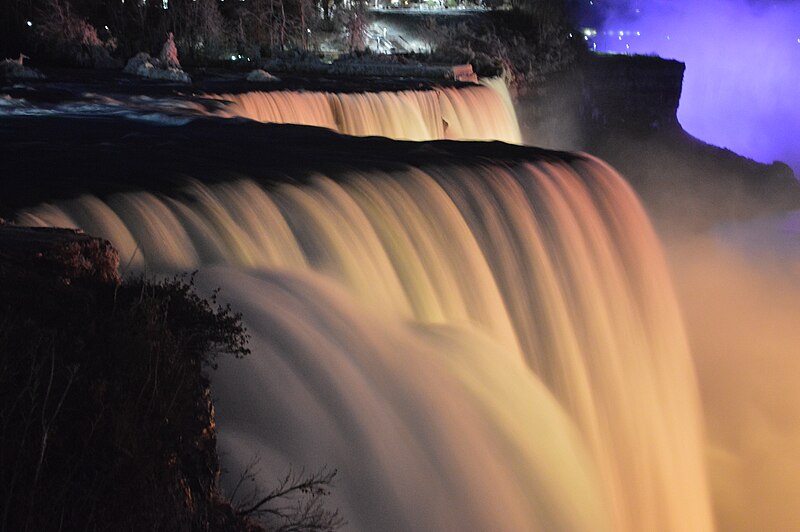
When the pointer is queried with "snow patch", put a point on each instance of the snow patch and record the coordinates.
(15, 69)
(261, 76)
(146, 66)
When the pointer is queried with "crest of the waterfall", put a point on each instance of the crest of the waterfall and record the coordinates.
(281, 107)
(492, 346)
(475, 112)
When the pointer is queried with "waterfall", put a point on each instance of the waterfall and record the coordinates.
(481, 112)
(493, 346)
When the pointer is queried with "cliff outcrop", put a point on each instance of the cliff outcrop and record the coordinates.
(105, 401)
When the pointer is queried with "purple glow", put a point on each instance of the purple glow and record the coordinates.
(742, 83)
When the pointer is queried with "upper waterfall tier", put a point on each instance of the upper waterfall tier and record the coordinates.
(481, 112)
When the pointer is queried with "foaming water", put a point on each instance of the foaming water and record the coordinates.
(486, 347)
(481, 112)
(172, 112)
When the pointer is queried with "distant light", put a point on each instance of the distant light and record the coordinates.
(585, 38)
(620, 37)
(667, 37)
(638, 10)
(570, 35)
(106, 27)
(308, 30)
(638, 33)
(29, 23)
(233, 58)
(622, 33)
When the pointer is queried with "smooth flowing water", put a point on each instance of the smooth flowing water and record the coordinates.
(484, 347)
(481, 112)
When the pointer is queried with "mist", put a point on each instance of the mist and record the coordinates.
(739, 290)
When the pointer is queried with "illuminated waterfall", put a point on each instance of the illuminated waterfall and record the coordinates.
(482, 112)
(492, 347)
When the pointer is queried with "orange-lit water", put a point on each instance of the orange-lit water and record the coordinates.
(741, 303)
(481, 112)
(492, 347)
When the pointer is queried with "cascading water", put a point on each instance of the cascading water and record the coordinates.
(491, 347)
(481, 112)
(472, 112)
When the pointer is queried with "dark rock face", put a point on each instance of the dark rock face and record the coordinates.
(631, 92)
(600, 95)
(624, 110)
(66, 254)
(105, 402)
(687, 184)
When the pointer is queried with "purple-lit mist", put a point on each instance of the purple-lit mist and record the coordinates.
(742, 83)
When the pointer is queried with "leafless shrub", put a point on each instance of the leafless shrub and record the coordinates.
(72, 37)
(522, 48)
(169, 53)
(352, 21)
(273, 27)
(199, 28)
(105, 414)
(296, 503)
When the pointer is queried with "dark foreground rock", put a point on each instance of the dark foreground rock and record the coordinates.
(65, 254)
(106, 420)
